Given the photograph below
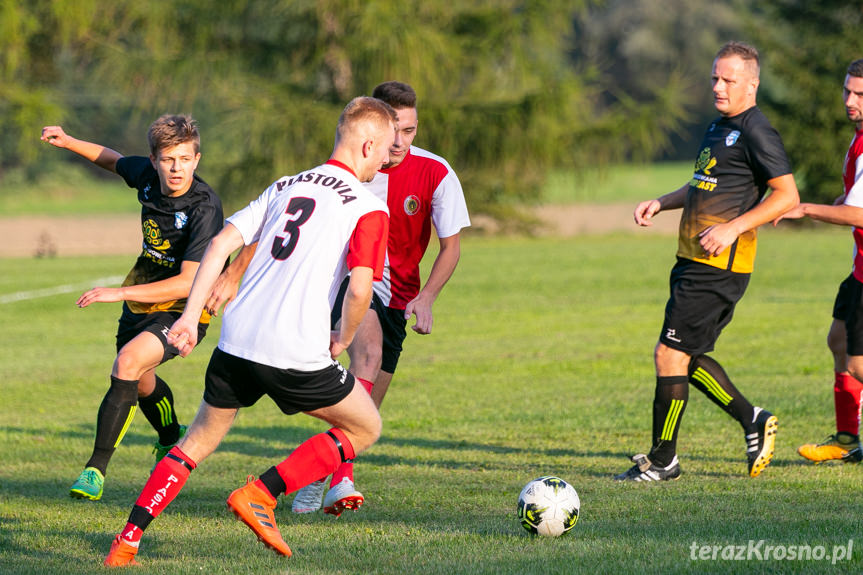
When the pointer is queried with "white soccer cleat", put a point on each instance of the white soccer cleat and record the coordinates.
(308, 499)
(343, 496)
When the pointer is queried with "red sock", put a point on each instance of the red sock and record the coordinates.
(346, 469)
(846, 398)
(368, 385)
(315, 458)
(164, 484)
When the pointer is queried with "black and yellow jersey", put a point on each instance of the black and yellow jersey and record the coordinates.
(737, 158)
(175, 229)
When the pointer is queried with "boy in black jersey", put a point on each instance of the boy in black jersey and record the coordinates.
(180, 213)
(740, 157)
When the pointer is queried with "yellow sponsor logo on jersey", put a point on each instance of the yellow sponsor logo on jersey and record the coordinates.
(705, 163)
(153, 236)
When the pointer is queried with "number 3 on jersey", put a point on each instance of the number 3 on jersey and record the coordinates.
(303, 206)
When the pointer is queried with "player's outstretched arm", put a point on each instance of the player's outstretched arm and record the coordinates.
(225, 289)
(442, 270)
(645, 211)
(220, 247)
(103, 157)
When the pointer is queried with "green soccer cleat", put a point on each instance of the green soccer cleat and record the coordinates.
(89, 485)
(161, 451)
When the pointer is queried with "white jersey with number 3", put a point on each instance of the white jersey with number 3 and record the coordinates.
(310, 228)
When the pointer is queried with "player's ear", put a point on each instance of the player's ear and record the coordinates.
(368, 148)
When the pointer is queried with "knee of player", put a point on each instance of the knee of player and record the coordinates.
(127, 366)
(366, 361)
(372, 430)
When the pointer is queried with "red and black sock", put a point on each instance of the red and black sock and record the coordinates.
(165, 483)
(313, 459)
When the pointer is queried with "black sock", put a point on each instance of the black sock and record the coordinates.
(669, 403)
(709, 377)
(273, 482)
(115, 415)
(158, 408)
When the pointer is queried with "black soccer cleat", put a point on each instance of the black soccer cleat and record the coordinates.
(645, 470)
(760, 444)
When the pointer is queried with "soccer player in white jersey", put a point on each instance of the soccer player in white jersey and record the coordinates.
(313, 227)
(420, 189)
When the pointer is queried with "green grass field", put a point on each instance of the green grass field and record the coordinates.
(540, 363)
(626, 183)
(76, 191)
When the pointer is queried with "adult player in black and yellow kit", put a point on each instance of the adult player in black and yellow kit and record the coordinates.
(180, 214)
(740, 157)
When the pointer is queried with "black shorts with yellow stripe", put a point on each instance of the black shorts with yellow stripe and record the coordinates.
(701, 303)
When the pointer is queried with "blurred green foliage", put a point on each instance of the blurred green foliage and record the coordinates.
(508, 90)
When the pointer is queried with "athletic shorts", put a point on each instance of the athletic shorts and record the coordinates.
(233, 382)
(701, 303)
(158, 323)
(848, 307)
(393, 326)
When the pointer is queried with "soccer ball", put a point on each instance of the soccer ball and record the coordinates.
(548, 506)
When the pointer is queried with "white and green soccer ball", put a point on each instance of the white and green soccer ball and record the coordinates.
(548, 506)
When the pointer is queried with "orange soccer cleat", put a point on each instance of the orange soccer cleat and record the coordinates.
(254, 507)
(122, 554)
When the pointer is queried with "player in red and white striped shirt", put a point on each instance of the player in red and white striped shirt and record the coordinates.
(845, 338)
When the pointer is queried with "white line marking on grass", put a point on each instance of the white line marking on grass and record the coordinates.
(67, 288)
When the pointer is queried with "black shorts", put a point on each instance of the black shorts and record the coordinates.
(158, 323)
(848, 307)
(232, 382)
(393, 326)
(701, 303)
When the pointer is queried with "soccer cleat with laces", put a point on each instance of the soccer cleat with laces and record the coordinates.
(122, 553)
(341, 497)
(308, 499)
(645, 470)
(161, 451)
(760, 444)
(89, 485)
(254, 507)
(836, 446)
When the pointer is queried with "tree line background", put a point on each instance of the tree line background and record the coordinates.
(508, 90)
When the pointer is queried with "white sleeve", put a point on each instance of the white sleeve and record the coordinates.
(854, 197)
(250, 220)
(449, 209)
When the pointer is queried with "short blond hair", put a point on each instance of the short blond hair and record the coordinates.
(364, 110)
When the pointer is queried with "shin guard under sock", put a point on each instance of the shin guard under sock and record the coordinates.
(165, 483)
(115, 415)
(313, 459)
(708, 377)
(669, 403)
(846, 399)
(158, 408)
(347, 469)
